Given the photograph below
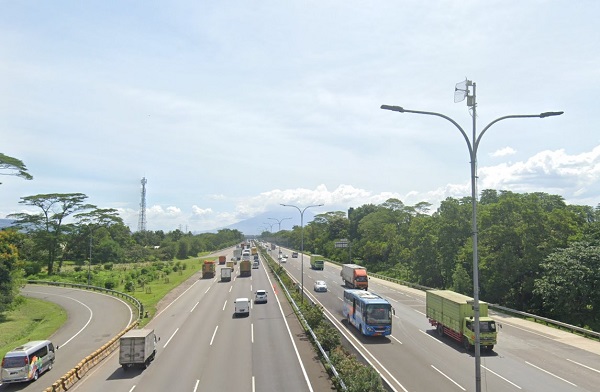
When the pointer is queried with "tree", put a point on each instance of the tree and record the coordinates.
(569, 284)
(15, 166)
(9, 256)
(48, 226)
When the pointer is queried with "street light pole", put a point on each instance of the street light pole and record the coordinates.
(279, 223)
(301, 211)
(473, 145)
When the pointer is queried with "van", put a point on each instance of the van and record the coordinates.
(242, 306)
(27, 362)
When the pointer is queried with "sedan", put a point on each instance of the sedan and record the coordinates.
(320, 285)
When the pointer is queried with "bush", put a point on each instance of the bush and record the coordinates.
(108, 266)
(109, 285)
(130, 286)
(328, 336)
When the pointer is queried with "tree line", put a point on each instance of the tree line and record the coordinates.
(536, 253)
(69, 229)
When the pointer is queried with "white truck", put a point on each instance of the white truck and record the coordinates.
(137, 347)
(237, 253)
(226, 274)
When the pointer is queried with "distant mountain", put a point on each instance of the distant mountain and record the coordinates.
(269, 221)
(5, 223)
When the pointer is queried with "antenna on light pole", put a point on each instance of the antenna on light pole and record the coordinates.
(461, 91)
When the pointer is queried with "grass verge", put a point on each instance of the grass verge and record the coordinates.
(31, 319)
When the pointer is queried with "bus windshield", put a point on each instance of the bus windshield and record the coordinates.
(379, 314)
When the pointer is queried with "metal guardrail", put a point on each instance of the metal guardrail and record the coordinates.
(87, 363)
(538, 319)
(115, 293)
(305, 323)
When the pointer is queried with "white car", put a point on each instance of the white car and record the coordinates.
(320, 285)
(261, 296)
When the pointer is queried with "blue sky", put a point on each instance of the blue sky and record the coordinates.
(230, 108)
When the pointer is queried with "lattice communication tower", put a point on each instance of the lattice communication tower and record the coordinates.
(142, 219)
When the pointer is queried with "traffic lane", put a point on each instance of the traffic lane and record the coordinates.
(85, 331)
(276, 362)
(496, 373)
(536, 348)
(108, 375)
(201, 353)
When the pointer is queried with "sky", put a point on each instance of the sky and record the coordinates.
(231, 108)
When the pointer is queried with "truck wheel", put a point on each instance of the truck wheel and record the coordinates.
(440, 330)
(468, 346)
(124, 367)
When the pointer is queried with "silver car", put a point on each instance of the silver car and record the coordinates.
(261, 296)
(320, 285)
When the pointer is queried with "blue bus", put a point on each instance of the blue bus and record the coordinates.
(368, 312)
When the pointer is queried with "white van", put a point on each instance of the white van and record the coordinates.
(27, 362)
(242, 306)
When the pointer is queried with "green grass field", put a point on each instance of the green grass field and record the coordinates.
(32, 319)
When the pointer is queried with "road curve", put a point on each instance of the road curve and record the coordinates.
(92, 320)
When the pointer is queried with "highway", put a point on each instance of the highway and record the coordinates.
(528, 356)
(85, 331)
(203, 347)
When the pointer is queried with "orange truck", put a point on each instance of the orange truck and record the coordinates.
(222, 260)
(208, 269)
(355, 276)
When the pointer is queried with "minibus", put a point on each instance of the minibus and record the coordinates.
(27, 362)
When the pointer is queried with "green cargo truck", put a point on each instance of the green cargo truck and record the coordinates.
(452, 314)
(317, 262)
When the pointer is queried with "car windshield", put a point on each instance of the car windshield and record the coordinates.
(379, 314)
(261, 292)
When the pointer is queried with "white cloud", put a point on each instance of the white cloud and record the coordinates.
(201, 211)
(503, 152)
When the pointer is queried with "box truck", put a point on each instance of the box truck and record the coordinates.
(137, 347)
(452, 314)
(226, 274)
(355, 276)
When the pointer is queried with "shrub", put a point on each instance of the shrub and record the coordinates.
(130, 285)
(108, 266)
(109, 284)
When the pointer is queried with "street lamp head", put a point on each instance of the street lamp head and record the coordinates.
(393, 108)
(550, 114)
